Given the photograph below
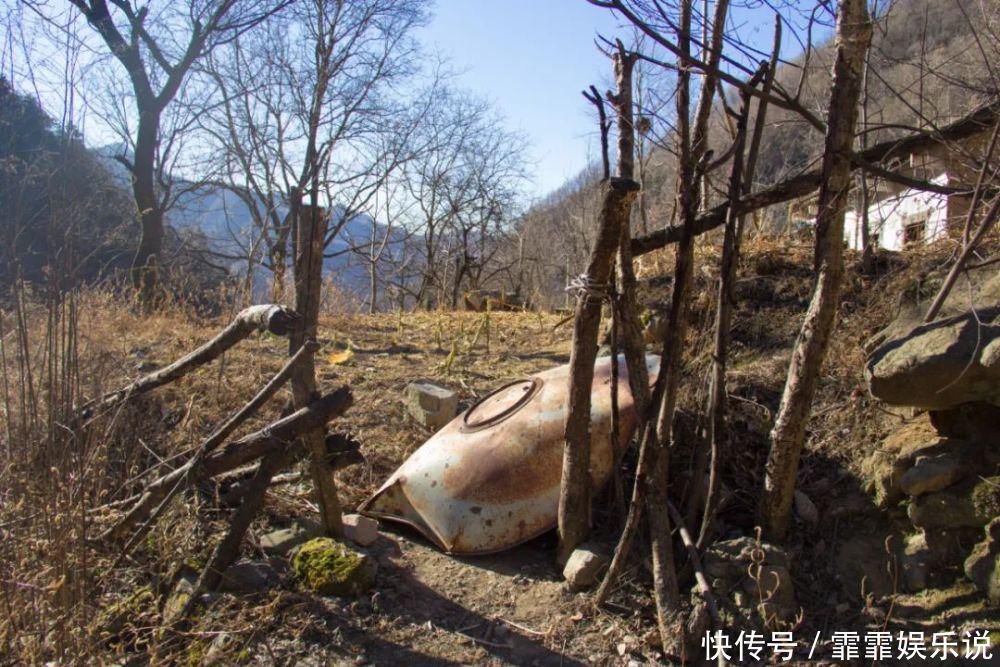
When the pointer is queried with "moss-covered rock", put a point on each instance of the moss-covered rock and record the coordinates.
(983, 564)
(330, 567)
(986, 498)
(970, 504)
(179, 596)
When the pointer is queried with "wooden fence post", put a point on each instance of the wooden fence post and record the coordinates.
(311, 223)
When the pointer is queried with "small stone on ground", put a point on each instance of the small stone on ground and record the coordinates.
(248, 577)
(430, 405)
(361, 530)
(806, 508)
(582, 568)
(281, 542)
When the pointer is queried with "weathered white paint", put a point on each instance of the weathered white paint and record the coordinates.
(889, 217)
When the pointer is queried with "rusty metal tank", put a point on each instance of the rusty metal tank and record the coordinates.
(489, 480)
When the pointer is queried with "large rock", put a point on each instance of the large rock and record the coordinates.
(940, 365)
(929, 557)
(917, 563)
(329, 567)
(979, 289)
(972, 504)
(983, 564)
(933, 473)
(915, 461)
(896, 454)
(430, 406)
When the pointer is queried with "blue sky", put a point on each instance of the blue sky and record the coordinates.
(533, 57)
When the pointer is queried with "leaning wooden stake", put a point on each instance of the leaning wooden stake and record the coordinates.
(631, 333)
(228, 550)
(574, 491)
(160, 492)
(278, 320)
(853, 35)
(704, 588)
(310, 241)
(626, 307)
(592, 290)
(726, 302)
(275, 436)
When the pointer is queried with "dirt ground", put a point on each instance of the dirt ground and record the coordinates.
(429, 608)
(512, 608)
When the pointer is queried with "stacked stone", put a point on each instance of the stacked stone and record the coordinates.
(943, 467)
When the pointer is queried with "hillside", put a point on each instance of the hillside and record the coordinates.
(926, 69)
(665, 416)
(221, 221)
(512, 607)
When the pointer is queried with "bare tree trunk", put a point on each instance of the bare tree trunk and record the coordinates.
(626, 312)
(279, 265)
(854, 31)
(740, 184)
(693, 144)
(574, 491)
(867, 252)
(627, 307)
(311, 224)
(723, 315)
(145, 264)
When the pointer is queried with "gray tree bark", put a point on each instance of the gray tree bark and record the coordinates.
(853, 36)
(311, 224)
(619, 194)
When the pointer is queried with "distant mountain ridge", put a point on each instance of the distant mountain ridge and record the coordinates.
(224, 220)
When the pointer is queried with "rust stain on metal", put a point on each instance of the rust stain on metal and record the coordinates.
(499, 464)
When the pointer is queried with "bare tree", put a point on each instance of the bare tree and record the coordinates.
(157, 49)
(308, 108)
(854, 31)
(484, 202)
(465, 187)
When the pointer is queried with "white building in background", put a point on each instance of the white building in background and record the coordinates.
(910, 217)
(902, 217)
(899, 217)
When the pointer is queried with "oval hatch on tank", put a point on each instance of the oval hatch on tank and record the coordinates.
(500, 404)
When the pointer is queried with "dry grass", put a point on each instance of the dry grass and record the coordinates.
(54, 584)
(60, 599)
